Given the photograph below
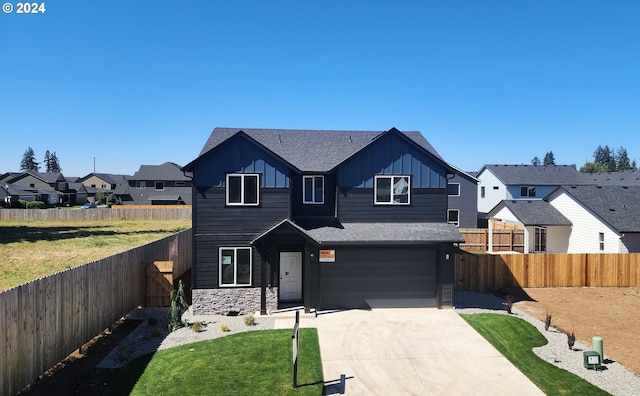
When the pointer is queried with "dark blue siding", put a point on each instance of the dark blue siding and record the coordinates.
(239, 155)
(392, 155)
(427, 205)
(467, 202)
(300, 209)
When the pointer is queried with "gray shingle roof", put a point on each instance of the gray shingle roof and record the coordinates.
(311, 150)
(166, 171)
(618, 206)
(620, 178)
(393, 233)
(535, 212)
(537, 175)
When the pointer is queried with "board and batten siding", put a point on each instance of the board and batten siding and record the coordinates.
(586, 228)
(232, 226)
(237, 154)
(355, 205)
(391, 155)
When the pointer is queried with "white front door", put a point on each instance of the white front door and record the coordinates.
(290, 276)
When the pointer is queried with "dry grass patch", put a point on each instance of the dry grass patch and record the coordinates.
(33, 249)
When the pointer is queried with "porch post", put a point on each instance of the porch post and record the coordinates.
(263, 285)
(307, 278)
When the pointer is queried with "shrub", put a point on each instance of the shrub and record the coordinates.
(178, 307)
(225, 329)
(509, 303)
(249, 320)
(35, 205)
(547, 322)
(571, 340)
(197, 327)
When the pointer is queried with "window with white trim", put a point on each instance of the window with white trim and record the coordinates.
(235, 266)
(243, 189)
(313, 189)
(453, 217)
(392, 190)
(453, 189)
(159, 185)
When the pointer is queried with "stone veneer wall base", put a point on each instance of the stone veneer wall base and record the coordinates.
(224, 300)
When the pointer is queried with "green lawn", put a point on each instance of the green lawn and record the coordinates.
(250, 363)
(515, 338)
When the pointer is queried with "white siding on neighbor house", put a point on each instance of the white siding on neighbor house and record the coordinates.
(586, 227)
(507, 216)
(492, 197)
(558, 239)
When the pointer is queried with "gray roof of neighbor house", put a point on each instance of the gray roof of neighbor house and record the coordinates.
(533, 212)
(312, 150)
(617, 206)
(536, 175)
(619, 178)
(166, 171)
(108, 177)
(394, 233)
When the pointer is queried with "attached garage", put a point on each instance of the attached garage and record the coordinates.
(374, 277)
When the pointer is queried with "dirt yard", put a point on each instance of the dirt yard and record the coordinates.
(609, 312)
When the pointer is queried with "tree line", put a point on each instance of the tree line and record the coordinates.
(605, 159)
(29, 163)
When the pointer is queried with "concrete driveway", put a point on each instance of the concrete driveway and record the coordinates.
(409, 351)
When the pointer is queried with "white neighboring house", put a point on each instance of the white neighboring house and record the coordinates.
(601, 219)
(499, 182)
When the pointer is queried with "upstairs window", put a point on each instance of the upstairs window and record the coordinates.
(142, 184)
(159, 185)
(392, 190)
(482, 192)
(453, 189)
(601, 241)
(313, 189)
(527, 191)
(243, 189)
(235, 266)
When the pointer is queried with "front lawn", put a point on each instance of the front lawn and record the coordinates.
(250, 363)
(515, 338)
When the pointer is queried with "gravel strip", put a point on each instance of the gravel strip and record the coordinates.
(614, 378)
(152, 335)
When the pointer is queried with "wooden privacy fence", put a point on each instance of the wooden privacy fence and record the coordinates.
(480, 272)
(43, 321)
(477, 239)
(122, 212)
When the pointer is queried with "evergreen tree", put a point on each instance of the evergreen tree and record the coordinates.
(28, 162)
(622, 160)
(47, 162)
(549, 159)
(535, 161)
(55, 164)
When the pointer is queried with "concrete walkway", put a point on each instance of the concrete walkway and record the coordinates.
(408, 351)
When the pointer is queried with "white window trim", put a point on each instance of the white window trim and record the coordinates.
(242, 176)
(235, 266)
(457, 223)
(453, 195)
(375, 190)
(155, 185)
(529, 190)
(313, 190)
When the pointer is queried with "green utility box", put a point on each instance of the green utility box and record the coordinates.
(592, 360)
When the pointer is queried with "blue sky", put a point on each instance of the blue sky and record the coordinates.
(145, 82)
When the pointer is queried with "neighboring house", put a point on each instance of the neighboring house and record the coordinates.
(462, 192)
(38, 186)
(164, 184)
(498, 182)
(579, 219)
(103, 181)
(326, 219)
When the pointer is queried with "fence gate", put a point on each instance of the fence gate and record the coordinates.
(159, 283)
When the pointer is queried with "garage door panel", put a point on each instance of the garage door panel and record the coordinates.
(360, 278)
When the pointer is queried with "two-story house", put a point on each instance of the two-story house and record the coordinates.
(164, 184)
(326, 219)
(462, 191)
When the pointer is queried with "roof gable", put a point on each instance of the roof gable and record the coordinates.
(617, 206)
(532, 212)
(311, 150)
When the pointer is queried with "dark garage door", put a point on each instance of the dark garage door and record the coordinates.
(379, 277)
